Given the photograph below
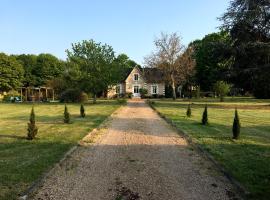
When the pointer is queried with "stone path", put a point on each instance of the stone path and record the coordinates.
(138, 157)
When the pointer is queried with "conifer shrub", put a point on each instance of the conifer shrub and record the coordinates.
(32, 129)
(82, 111)
(205, 116)
(66, 115)
(188, 111)
(236, 125)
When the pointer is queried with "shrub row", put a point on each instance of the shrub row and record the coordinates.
(236, 122)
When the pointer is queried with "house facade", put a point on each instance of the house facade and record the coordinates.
(151, 79)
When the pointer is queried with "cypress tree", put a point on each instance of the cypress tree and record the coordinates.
(82, 111)
(236, 125)
(188, 111)
(205, 116)
(66, 115)
(32, 129)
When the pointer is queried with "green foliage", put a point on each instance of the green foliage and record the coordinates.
(73, 95)
(95, 64)
(29, 63)
(47, 68)
(40, 69)
(222, 89)
(143, 92)
(66, 115)
(32, 129)
(236, 125)
(248, 23)
(122, 67)
(213, 59)
(188, 113)
(205, 116)
(11, 73)
(82, 111)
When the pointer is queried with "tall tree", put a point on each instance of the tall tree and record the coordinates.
(11, 73)
(186, 67)
(29, 63)
(95, 63)
(168, 50)
(122, 66)
(213, 56)
(48, 67)
(248, 22)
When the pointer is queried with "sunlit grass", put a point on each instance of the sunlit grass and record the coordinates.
(23, 161)
(247, 159)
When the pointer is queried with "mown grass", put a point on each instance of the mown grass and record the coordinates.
(23, 161)
(247, 159)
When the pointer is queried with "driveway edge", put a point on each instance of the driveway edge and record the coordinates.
(243, 192)
(36, 184)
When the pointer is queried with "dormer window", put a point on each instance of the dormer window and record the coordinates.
(136, 77)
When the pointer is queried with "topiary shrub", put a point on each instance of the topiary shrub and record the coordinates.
(143, 92)
(205, 116)
(188, 111)
(66, 115)
(32, 129)
(236, 125)
(82, 111)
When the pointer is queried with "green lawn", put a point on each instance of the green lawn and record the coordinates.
(23, 161)
(247, 159)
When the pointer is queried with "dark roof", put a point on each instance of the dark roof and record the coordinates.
(153, 75)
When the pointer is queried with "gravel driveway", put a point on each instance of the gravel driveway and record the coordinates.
(138, 157)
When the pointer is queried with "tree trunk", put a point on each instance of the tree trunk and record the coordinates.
(173, 87)
(95, 99)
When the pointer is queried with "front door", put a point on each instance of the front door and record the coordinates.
(136, 92)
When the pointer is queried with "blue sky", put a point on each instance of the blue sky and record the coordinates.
(130, 26)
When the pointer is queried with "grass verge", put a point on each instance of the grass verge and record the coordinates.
(247, 159)
(23, 161)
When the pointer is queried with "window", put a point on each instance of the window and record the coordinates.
(154, 89)
(136, 89)
(136, 77)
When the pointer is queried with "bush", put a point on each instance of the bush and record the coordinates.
(222, 89)
(66, 115)
(236, 125)
(82, 111)
(188, 111)
(83, 97)
(32, 129)
(143, 92)
(73, 95)
(205, 116)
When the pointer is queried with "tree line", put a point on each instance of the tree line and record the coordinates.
(90, 67)
(238, 55)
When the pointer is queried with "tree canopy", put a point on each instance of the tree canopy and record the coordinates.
(95, 64)
(11, 73)
(248, 22)
(213, 59)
